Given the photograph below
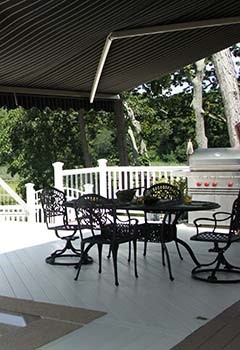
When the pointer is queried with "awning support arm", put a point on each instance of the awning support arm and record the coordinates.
(174, 27)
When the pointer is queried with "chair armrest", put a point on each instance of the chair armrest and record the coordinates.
(198, 224)
(130, 221)
(214, 219)
(227, 216)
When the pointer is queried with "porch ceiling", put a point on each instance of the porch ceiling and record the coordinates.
(56, 46)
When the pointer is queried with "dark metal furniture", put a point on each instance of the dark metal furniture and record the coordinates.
(99, 224)
(219, 270)
(172, 207)
(56, 218)
(164, 230)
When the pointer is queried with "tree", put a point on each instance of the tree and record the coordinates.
(83, 139)
(134, 127)
(197, 104)
(35, 139)
(228, 83)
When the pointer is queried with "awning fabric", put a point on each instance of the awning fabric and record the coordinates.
(56, 45)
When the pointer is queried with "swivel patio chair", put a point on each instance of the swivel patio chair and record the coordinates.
(57, 219)
(99, 224)
(164, 230)
(220, 270)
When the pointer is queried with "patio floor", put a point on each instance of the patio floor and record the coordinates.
(148, 313)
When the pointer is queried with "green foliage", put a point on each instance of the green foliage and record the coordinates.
(32, 140)
(167, 123)
(100, 133)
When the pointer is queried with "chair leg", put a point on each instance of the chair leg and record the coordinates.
(129, 251)
(204, 272)
(114, 255)
(100, 258)
(178, 250)
(168, 261)
(212, 277)
(83, 256)
(163, 253)
(60, 253)
(135, 257)
(109, 252)
(145, 247)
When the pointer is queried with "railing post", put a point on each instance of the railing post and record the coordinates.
(30, 198)
(58, 175)
(102, 163)
(88, 188)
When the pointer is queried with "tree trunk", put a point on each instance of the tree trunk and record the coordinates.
(227, 80)
(83, 139)
(197, 102)
(121, 133)
(135, 126)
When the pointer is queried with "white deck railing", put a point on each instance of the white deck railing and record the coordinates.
(107, 180)
(12, 207)
(103, 179)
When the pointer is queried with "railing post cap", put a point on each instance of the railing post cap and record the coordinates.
(60, 164)
(102, 162)
(29, 184)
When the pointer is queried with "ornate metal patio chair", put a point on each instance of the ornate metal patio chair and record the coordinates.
(164, 229)
(99, 224)
(219, 270)
(57, 219)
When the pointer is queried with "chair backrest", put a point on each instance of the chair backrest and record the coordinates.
(163, 191)
(235, 217)
(93, 212)
(55, 213)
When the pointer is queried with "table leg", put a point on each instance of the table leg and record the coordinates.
(189, 249)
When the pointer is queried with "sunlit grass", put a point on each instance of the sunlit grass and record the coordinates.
(12, 181)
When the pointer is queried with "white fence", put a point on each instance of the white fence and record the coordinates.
(107, 180)
(12, 207)
(104, 180)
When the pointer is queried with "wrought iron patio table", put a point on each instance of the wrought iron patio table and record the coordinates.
(176, 207)
(170, 207)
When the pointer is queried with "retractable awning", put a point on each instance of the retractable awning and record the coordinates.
(95, 49)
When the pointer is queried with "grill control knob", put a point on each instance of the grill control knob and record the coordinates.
(206, 184)
(230, 184)
(214, 184)
(199, 184)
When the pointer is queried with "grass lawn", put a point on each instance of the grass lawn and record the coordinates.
(10, 180)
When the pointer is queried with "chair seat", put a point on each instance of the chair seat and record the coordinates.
(153, 232)
(64, 227)
(214, 236)
(101, 239)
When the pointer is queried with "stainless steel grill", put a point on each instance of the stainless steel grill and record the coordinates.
(214, 176)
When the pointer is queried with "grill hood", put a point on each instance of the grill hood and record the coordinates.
(224, 159)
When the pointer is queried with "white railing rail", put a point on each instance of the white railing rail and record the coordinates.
(12, 206)
(107, 180)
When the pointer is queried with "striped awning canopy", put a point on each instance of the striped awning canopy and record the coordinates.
(96, 49)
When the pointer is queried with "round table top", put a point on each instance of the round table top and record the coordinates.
(168, 205)
(161, 205)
